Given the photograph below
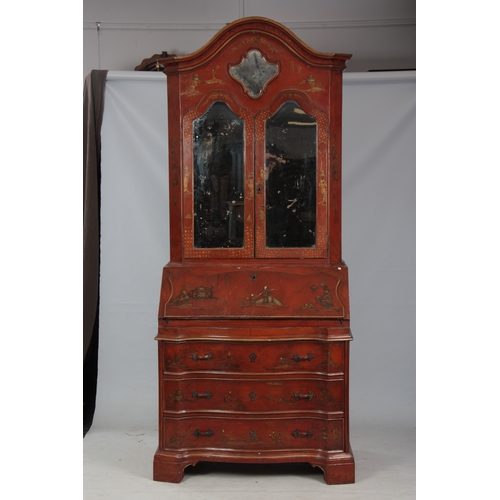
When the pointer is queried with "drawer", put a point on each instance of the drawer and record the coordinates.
(254, 434)
(247, 395)
(253, 357)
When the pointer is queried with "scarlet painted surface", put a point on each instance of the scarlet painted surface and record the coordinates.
(275, 433)
(217, 394)
(273, 356)
(253, 341)
(217, 291)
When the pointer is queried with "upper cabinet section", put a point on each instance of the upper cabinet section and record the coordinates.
(255, 142)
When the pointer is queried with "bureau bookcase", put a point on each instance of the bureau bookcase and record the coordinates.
(254, 325)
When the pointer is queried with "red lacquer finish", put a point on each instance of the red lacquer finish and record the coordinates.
(253, 339)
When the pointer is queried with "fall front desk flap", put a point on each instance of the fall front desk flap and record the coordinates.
(212, 292)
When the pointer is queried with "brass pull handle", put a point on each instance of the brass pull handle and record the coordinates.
(307, 396)
(296, 434)
(298, 358)
(207, 357)
(196, 395)
(208, 433)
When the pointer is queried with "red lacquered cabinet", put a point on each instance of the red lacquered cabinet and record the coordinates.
(254, 334)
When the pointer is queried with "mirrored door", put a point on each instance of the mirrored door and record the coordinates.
(292, 189)
(218, 179)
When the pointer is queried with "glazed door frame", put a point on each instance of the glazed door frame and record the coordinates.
(319, 250)
(190, 251)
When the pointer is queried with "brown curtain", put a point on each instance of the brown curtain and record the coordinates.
(93, 107)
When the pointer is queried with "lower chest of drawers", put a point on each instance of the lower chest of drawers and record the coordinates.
(242, 399)
(239, 393)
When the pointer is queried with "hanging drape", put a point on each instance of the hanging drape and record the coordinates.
(378, 244)
(93, 107)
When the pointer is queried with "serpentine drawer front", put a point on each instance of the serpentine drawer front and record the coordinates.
(249, 394)
(252, 434)
(253, 357)
(254, 315)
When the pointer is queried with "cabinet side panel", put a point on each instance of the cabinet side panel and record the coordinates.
(174, 138)
(335, 167)
(346, 398)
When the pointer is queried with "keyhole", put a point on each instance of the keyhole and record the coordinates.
(259, 188)
(253, 276)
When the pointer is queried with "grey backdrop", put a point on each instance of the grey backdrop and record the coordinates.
(378, 245)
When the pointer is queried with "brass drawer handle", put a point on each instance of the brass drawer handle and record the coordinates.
(207, 357)
(197, 433)
(196, 395)
(296, 434)
(297, 358)
(307, 396)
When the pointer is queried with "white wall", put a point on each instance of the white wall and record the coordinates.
(379, 33)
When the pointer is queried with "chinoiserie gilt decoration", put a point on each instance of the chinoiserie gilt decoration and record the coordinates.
(254, 318)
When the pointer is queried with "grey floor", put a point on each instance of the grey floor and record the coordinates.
(118, 465)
